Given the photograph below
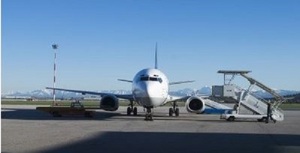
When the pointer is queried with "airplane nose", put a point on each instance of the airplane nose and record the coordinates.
(151, 97)
(153, 94)
(150, 90)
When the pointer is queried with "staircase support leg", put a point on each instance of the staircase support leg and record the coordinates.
(268, 113)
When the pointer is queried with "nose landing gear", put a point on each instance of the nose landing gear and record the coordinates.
(148, 115)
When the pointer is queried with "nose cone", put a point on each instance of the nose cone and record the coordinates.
(149, 94)
(150, 89)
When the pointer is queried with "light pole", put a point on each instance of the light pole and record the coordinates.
(55, 47)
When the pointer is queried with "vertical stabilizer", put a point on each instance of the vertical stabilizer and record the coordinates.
(156, 56)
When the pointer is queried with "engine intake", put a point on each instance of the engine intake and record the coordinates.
(195, 105)
(109, 103)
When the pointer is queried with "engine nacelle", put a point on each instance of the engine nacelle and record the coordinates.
(109, 103)
(195, 105)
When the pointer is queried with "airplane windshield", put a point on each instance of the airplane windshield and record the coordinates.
(146, 78)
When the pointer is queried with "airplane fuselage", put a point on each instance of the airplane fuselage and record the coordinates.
(150, 88)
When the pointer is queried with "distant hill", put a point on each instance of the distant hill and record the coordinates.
(293, 98)
(206, 90)
(284, 93)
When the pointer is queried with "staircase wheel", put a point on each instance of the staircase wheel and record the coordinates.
(231, 118)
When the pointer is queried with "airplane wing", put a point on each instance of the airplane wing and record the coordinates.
(180, 82)
(125, 96)
(212, 107)
(184, 98)
(177, 98)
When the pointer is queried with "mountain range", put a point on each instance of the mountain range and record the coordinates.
(206, 90)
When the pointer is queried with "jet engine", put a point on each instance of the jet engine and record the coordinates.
(195, 105)
(109, 103)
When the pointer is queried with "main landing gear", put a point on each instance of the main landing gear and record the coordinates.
(174, 109)
(131, 109)
(148, 116)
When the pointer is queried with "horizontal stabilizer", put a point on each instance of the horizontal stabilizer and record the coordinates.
(130, 81)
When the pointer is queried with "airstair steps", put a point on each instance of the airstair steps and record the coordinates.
(258, 106)
(254, 104)
(261, 107)
(279, 99)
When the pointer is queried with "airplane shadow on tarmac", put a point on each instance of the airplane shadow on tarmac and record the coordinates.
(32, 114)
(160, 142)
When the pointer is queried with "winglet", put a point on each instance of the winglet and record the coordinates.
(156, 56)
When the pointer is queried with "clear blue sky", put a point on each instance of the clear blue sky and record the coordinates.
(103, 40)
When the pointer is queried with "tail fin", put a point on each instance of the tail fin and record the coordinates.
(156, 56)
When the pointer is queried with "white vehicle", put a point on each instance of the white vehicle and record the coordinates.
(234, 115)
(150, 89)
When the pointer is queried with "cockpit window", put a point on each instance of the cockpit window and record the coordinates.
(146, 78)
(153, 79)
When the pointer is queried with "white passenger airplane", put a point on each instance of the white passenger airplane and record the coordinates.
(150, 89)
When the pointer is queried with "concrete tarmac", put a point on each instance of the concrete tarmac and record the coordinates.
(25, 129)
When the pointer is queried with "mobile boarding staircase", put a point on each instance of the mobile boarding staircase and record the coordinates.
(261, 109)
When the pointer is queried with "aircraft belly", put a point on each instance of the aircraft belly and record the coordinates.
(150, 102)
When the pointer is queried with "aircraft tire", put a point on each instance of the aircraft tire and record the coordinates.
(135, 111)
(177, 112)
(129, 110)
(171, 111)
